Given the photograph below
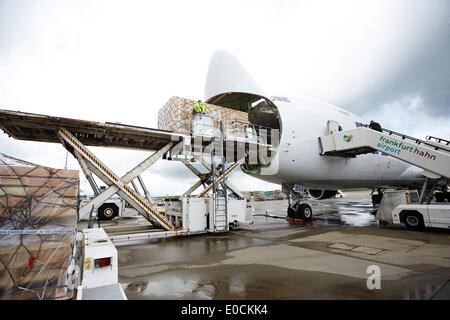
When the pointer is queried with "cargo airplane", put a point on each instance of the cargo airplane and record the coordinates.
(300, 121)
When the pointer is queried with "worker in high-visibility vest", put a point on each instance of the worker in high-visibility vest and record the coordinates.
(199, 107)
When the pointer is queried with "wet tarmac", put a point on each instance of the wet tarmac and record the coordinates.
(276, 259)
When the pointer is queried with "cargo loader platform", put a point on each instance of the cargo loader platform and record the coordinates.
(203, 140)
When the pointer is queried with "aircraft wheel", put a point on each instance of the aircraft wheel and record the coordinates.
(305, 212)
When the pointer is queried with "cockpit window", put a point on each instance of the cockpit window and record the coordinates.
(283, 99)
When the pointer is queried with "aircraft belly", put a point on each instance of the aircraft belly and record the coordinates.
(363, 171)
(312, 170)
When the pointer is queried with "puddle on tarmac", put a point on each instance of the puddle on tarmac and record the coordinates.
(177, 287)
(351, 212)
(358, 213)
(154, 257)
(260, 282)
(185, 286)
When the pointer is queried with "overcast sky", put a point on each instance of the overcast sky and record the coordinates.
(122, 60)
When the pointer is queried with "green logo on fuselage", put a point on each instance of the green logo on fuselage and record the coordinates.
(348, 138)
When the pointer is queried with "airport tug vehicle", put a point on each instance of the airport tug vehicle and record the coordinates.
(432, 155)
(417, 216)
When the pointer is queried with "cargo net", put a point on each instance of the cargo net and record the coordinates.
(38, 220)
(176, 115)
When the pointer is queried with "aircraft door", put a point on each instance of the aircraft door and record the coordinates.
(332, 127)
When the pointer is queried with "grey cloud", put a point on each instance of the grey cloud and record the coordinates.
(429, 78)
(425, 71)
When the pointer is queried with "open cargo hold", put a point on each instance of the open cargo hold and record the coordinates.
(38, 220)
(176, 115)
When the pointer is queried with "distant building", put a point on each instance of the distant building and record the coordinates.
(266, 195)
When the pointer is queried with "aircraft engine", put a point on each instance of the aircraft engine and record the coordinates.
(320, 194)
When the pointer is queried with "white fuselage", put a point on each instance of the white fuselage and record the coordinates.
(298, 158)
(303, 121)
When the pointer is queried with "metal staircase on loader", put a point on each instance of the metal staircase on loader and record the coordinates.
(220, 212)
(426, 194)
(219, 219)
(432, 155)
(74, 146)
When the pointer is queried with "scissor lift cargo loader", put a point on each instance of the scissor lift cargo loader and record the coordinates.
(76, 135)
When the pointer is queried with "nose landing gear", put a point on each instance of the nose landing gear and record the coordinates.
(300, 211)
(297, 208)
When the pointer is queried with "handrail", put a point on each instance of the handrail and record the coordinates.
(439, 140)
(105, 170)
(249, 124)
(256, 128)
(417, 141)
(231, 129)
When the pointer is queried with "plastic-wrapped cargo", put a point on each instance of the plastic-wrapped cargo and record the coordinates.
(390, 200)
(176, 115)
(38, 221)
